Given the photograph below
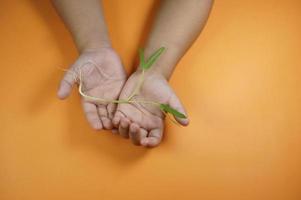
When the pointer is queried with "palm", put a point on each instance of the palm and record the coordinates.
(146, 115)
(143, 118)
(102, 76)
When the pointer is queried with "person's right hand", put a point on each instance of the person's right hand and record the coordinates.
(103, 76)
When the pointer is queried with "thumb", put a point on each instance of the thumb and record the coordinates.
(67, 83)
(175, 103)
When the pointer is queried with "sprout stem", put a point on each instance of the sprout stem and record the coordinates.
(138, 86)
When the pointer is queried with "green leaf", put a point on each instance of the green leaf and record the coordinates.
(152, 58)
(141, 58)
(167, 109)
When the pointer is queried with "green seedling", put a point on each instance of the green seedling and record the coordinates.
(144, 65)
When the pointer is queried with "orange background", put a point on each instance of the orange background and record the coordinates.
(240, 82)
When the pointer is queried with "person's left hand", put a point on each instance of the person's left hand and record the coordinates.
(144, 122)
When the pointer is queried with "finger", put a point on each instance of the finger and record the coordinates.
(124, 127)
(103, 115)
(116, 119)
(107, 123)
(66, 84)
(134, 133)
(175, 103)
(154, 138)
(111, 107)
(142, 134)
(92, 115)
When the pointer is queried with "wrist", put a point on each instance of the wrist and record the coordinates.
(153, 72)
(93, 44)
(156, 71)
(93, 48)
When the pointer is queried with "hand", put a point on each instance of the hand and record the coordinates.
(102, 76)
(142, 122)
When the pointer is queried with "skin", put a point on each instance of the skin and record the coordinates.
(100, 67)
(176, 26)
(143, 123)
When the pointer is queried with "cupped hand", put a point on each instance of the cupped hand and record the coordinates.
(142, 120)
(102, 75)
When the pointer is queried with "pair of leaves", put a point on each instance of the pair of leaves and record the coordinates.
(152, 59)
(167, 109)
